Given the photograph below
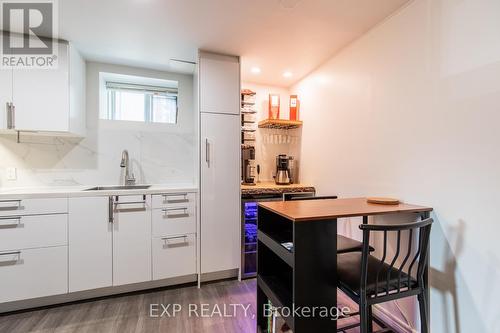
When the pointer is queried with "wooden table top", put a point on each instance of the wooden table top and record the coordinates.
(313, 210)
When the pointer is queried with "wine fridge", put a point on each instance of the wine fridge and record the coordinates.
(249, 217)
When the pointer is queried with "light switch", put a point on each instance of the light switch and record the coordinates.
(11, 174)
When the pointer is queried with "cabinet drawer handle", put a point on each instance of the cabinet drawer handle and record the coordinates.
(184, 211)
(118, 204)
(131, 203)
(11, 116)
(13, 253)
(10, 221)
(111, 216)
(207, 152)
(168, 239)
(10, 204)
(175, 198)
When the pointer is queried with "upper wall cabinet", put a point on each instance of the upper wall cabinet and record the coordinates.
(5, 95)
(220, 79)
(45, 100)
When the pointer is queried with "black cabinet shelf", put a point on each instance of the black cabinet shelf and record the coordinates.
(278, 294)
(276, 247)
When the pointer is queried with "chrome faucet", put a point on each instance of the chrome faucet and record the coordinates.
(125, 163)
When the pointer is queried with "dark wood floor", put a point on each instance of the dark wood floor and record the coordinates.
(131, 313)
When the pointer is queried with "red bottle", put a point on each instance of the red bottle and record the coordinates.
(294, 107)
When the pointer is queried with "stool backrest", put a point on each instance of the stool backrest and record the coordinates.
(422, 231)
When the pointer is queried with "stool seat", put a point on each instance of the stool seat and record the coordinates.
(346, 244)
(349, 274)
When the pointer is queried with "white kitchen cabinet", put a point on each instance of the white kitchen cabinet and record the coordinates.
(131, 239)
(33, 273)
(48, 100)
(219, 77)
(220, 192)
(90, 239)
(174, 256)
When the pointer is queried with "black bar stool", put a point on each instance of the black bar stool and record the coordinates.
(368, 280)
(344, 244)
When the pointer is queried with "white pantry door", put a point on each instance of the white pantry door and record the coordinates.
(220, 192)
(219, 83)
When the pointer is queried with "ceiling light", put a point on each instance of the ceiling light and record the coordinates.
(287, 74)
(255, 70)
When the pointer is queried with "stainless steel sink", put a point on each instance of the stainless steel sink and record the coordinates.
(118, 187)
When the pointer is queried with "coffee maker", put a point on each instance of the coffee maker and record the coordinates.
(248, 165)
(283, 173)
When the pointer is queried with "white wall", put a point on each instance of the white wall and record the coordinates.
(160, 153)
(412, 110)
(266, 149)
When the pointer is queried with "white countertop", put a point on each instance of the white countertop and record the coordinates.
(79, 191)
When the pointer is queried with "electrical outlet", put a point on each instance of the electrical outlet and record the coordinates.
(11, 174)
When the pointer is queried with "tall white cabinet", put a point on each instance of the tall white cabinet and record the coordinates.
(219, 92)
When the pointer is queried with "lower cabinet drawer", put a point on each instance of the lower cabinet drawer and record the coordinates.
(24, 232)
(33, 206)
(174, 256)
(174, 221)
(33, 273)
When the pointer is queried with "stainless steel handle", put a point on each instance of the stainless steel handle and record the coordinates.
(130, 203)
(117, 203)
(12, 204)
(172, 197)
(3, 220)
(13, 253)
(11, 119)
(9, 116)
(111, 216)
(207, 152)
(183, 209)
(10, 253)
(166, 239)
(142, 202)
(13, 108)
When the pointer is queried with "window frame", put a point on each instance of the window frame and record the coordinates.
(111, 86)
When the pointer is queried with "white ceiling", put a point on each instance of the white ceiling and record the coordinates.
(276, 35)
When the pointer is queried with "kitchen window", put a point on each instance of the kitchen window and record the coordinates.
(141, 103)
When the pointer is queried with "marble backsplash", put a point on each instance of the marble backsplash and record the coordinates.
(159, 153)
(156, 158)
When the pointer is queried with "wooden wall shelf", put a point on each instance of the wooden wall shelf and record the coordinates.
(280, 124)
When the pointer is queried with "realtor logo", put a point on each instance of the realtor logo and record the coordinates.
(28, 34)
